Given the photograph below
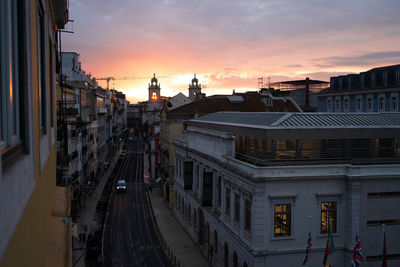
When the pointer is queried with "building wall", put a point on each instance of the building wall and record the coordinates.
(376, 90)
(362, 96)
(28, 183)
(175, 131)
(304, 187)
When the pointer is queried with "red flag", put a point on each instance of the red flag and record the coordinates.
(308, 250)
(330, 246)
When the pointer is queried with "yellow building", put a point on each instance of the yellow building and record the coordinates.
(34, 227)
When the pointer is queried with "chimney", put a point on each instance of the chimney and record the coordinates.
(307, 92)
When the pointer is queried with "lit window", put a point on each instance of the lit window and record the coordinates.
(282, 219)
(154, 96)
(328, 214)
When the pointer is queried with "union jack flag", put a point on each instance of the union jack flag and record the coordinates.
(358, 257)
(308, 250)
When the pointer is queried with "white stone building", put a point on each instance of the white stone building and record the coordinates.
(250, 186)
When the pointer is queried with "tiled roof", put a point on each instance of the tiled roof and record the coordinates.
(342, 119)
(252, 118)
(251, 103)
(305, 120)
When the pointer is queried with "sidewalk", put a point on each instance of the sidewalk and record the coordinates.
(88, 216)
(177, 244)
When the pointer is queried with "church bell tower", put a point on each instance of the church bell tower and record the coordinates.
(154, 90)
(194, 88)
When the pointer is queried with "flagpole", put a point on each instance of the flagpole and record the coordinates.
(308, 249)
(384, 256)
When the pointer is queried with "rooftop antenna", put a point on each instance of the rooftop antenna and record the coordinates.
(260, 83)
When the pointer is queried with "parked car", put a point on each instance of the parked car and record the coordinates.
(121, 186)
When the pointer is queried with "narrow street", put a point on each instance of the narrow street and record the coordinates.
(129, 237)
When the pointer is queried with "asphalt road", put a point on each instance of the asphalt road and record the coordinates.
(129, 237)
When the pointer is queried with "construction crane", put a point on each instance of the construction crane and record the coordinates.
(108, 79)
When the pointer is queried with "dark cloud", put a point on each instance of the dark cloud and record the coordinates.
(294, 66)
(367, 59)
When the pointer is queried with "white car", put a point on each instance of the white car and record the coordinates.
(121, 186)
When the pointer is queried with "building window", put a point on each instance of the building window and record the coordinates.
(41, 37)
(228, 201)
(370, 103)
(247, 219)
(194, 218)
(237, 208)
(219, 191)
(154, 96)
(189, 213)
(235, 259)
(11, 62)
(328, 214)
(394, 103)
(51, 77)
(359, 104)
(226, 255)
(198, 176)
(282, 226)
(215, 242)
(329, 103)
(381, 103)
(337, 104)
(346, 103)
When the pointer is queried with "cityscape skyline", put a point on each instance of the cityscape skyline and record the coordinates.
(230, 44)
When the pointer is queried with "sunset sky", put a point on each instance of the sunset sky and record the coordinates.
(230, 43)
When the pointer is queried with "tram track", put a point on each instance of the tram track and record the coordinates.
(132, 240)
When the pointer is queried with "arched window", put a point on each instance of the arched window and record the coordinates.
(226, 255)
(235, 260)
(215, 242)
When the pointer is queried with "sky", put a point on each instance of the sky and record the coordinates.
(229, 44)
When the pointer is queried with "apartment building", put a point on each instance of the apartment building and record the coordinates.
(376, 90)
(250, 186)
(34, 212)
(172, 121)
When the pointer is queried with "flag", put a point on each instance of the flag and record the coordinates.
(358, 257)
(384, 256)
(330, 246)
(308, 250)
